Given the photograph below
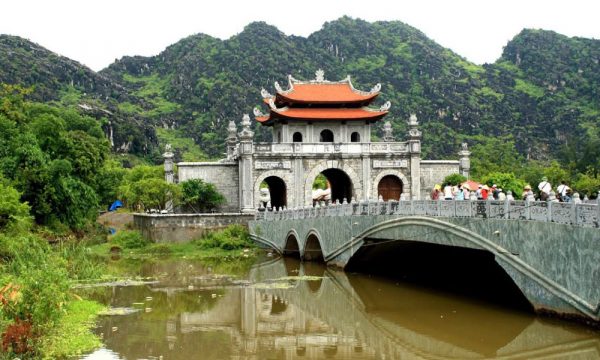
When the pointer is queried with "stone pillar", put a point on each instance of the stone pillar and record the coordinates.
(169, 175)
(246, 165)
(414, 143)
(231, 141)
(464, 161)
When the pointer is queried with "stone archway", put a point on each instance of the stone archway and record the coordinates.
(292, 246)
(389, 188)
(355, 180)
(277, 179)
(313, 250)
(396, 173)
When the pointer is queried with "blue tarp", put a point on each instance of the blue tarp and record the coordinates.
(117, 204)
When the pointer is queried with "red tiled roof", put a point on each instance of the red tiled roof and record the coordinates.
(325, 93)
(323, 114)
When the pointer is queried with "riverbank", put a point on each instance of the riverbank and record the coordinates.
(42, 317)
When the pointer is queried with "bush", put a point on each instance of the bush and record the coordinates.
(231, 238)
(129, 239)
(14, 215)
(505, 181)
(454, 179)
(200, 196)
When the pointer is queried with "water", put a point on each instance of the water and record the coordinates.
(282, 309)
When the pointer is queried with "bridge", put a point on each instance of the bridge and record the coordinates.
(551, 251)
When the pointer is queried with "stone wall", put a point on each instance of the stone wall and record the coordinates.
(433, 172)
(225, 177)
(184, 227)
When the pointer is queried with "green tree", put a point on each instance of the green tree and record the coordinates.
(494, 154)
(200, 196)
(14, 214)
(506, 182)
(454, 179)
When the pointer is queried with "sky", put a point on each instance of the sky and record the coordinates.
(96, 32)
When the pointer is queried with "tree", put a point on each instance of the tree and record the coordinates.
(494, 154)
(152, 193)
(506, 182)
(454, 179)
(14, 214)
(200, 196)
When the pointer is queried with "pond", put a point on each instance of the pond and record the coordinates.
(284, 309)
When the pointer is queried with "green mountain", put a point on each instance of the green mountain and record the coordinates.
(64, 81)
(542, 94)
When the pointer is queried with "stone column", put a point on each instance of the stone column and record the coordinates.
(465, 161)
(246, 165)
(414, 148)
(231, 141)
(169, 174)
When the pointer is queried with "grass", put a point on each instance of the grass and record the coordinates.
(72, 335)
(190, 151)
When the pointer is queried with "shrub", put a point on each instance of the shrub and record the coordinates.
(14, 215)
(129, 239)
(200, 196)
(454, 179)
(231, 238)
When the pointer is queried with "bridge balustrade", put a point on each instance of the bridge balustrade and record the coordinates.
(587, 215)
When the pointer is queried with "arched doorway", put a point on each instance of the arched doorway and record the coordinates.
(326, 136)
(312, 250)
(277, 191)
(297, 137)
(339, 185)
(291, 246)
(390, 188)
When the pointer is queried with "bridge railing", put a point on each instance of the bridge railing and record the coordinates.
(587, 215)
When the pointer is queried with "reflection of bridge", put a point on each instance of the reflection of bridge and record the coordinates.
(356, 309)
(550, 250)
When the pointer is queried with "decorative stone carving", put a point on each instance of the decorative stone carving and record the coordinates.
(387, 132)
(386, 106)
(265, 94)
(376, 88)
(413, 132)
(320, 75)
(246, 133)
(278, 87)
(257, 112)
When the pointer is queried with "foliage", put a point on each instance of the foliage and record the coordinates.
(129, 239)
(506, 182)
(200, 196)
(587, 184)
(231, 238)
(494, 155)
(144, 188)
(454, 179)
(14, 215)
(72, 336)
(320, 182)
(52, 156)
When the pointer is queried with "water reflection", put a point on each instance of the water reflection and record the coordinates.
(194, 313)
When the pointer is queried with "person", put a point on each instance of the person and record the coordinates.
(501, 195)
(576, 198)
(459, 194)
(466, 193)
(478, 193)
(544, 187)
(526, 190)
(448, 192)
(473, 196)
(485, 192)
(435, 194)
(561, 190)
(495, 191)
(509, 196)
(568, 196)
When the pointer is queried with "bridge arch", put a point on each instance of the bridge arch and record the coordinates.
(313, 251)
(396, 173)
(355, 181)
(534, 285)
(279, 182)
(292, 245)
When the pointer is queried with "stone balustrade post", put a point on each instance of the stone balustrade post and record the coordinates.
(573, 213)
(549, 218)
(506, 209)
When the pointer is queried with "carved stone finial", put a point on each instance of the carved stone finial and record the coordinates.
(246, 133)
(375, 88)
(265, 94)
(413, 120)
(386, 106)
(320, 75)
(167, 147)
(464, 146)
(278, 87)
(257, 112)
(387, 132)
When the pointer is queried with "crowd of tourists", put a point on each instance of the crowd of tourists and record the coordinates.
(544, 192)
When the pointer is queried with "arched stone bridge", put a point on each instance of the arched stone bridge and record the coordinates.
(550, 250)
